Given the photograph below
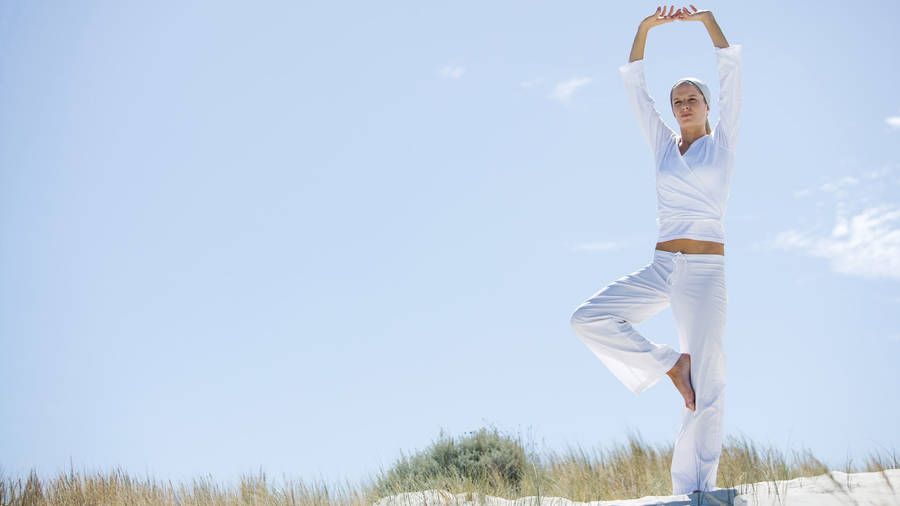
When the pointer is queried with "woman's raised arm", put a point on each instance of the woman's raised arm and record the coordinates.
(657, 18)
(655, 130)
(728, 63)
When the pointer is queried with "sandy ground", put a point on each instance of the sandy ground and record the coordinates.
(834, 488)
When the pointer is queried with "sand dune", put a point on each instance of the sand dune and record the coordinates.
(834, 488)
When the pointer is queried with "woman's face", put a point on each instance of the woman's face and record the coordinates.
(689, 106)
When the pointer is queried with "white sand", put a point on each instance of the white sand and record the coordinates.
(833, 488)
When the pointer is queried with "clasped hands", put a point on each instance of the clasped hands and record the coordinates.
(683, 14)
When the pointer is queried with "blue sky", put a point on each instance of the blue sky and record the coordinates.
(306, 237)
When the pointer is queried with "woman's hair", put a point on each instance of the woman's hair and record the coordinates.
(700, 85)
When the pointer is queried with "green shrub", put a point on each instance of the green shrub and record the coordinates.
(486, 457)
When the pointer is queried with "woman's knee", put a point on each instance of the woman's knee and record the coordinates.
(582, 317)
(578, 318)
(585, 317)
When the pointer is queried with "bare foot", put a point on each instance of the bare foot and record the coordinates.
(681, 376)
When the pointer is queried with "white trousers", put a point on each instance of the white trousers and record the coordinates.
(694, 286)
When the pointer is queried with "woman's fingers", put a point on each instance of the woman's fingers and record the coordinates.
(685, 14)
(664, 14)
(698, 15)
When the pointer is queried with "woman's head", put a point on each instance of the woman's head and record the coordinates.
(689, 99)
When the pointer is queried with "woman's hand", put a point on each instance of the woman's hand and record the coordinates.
(684, 14)
(660, 17)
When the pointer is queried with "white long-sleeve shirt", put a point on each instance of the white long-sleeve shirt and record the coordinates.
(692, 189)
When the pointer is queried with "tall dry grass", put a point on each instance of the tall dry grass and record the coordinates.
(117, 487)
(631, 469)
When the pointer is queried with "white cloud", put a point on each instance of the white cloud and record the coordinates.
(854, 221)
(866, 244)
(601, 246)
(452, 71)
(839, 185)
(894, 337)
(564, 90)
(844, 181)
(893, 121)
(879, 173)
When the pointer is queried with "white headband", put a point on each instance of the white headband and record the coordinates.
(696, 82)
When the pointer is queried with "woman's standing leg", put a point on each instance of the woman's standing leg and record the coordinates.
(699, 302)
(605, 324)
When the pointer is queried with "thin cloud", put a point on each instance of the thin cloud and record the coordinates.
(844, 181)
(601, 246)
(862, 236)
(452, 71)
(879, 173)
(563, 91)
(866, 244)
(828, 186)
(893, 121)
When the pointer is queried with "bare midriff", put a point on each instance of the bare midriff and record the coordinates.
(692, 246)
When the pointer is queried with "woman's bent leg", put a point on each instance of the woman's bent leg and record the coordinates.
(605, 324)
(699, 302)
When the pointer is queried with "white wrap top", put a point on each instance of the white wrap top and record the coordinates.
(692, 189)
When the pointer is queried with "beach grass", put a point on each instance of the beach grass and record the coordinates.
(482, 463)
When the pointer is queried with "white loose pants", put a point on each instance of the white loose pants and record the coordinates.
(694, 286)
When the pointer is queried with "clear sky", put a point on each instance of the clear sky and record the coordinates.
(303, 237)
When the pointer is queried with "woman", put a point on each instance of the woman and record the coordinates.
(687, 271)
